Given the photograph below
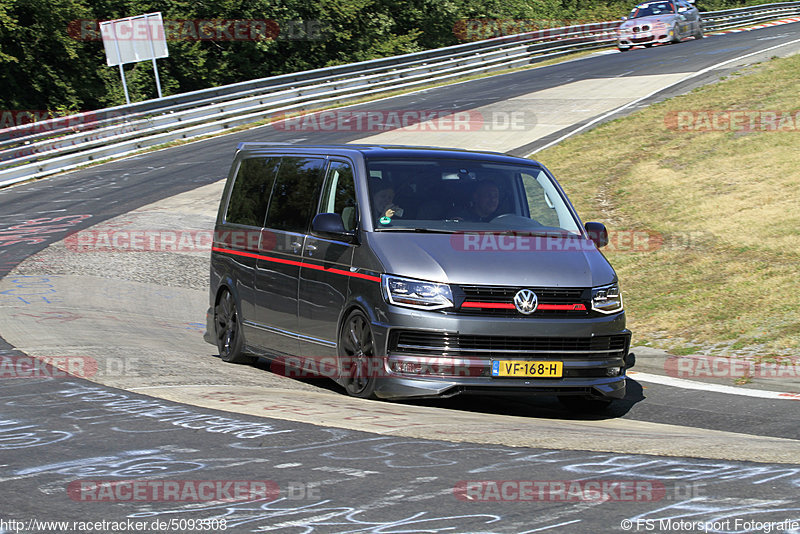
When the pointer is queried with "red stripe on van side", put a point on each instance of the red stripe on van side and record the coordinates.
(297, 263)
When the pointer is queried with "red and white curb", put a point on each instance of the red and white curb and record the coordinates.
(759, 27)
(705, 386)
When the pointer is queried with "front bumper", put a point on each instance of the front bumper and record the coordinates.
(593, 351)
(645, 38)
(404, 387)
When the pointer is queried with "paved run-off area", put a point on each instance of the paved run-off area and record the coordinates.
(133, 318)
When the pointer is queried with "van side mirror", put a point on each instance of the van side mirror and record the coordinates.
(623, 19)
(331, 225)
(597, 233)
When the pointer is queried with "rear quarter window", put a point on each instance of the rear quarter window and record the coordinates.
(249, 196)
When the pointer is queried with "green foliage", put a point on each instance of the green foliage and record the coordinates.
(45, 64)
(8, 24)
(42, 66)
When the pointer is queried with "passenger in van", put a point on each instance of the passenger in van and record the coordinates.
(485, 203)
(383, 201)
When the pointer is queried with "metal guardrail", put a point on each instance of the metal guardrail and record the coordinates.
(64, 143)
(745, 16)
(12, 137)
(46, 152)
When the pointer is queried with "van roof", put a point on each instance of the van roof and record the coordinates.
(367, 150)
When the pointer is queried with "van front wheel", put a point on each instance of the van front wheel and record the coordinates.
(357, 363)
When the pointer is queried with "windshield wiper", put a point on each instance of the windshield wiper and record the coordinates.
(419, 230)
(534, 233)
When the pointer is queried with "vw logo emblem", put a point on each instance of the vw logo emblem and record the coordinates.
(525, 301)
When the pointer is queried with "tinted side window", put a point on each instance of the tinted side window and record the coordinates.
(339, 195)
(295, 194)
(251, 188)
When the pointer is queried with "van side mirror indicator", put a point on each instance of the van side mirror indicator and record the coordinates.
(597, 233)
(331, 225)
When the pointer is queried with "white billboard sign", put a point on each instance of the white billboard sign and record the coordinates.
(134, 39)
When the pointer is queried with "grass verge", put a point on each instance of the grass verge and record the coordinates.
(720, 275)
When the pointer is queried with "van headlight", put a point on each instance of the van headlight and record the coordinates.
(416, 293)
(607, 299)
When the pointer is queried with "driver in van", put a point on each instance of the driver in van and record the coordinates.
(485, 201)
(383, 201)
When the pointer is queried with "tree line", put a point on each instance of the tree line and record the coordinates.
(52, 57)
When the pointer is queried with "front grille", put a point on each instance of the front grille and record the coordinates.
(505, 295)
(483, 346)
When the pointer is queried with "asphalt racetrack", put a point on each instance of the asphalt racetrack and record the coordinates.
(132, 442)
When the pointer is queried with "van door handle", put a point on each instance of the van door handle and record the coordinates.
(312, 248)
(296, 245)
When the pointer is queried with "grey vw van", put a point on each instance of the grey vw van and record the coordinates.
(415, 272)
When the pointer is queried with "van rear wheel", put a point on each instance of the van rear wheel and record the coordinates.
(357, 363)
(229, 331)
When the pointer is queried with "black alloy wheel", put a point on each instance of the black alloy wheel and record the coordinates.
(228, 330)
(357, 363)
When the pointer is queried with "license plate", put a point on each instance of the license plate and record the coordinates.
(527, 369)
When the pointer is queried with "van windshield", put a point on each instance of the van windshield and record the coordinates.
(466, 195)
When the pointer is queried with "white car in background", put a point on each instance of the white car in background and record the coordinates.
(663, 22)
